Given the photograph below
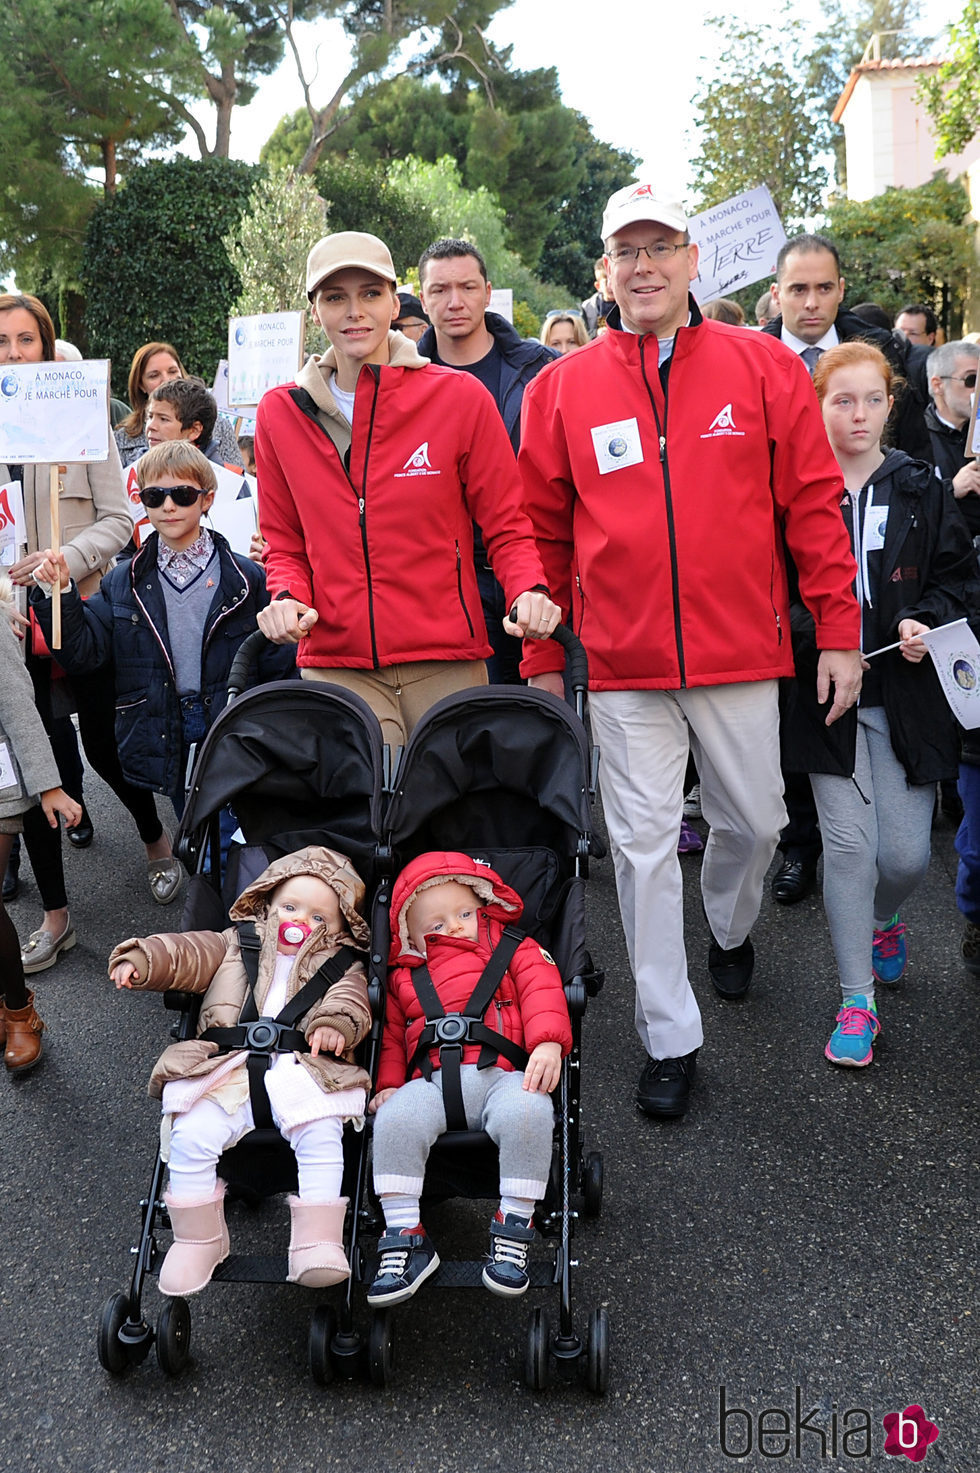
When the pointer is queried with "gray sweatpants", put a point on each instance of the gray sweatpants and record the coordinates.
(518, 1120)
(874, 854)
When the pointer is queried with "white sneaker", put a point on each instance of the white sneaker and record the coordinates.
(692, 803)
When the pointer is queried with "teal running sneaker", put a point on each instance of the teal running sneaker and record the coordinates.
(890, 953)
(852, 1041)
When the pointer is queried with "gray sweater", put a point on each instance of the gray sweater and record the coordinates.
(21, 732)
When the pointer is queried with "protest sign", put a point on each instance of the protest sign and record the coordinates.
(956, 656)
(502, 301)
(738, 242)
(973, 434)
(77, 429)
(13, 533)
(219, 388)
(263, 351)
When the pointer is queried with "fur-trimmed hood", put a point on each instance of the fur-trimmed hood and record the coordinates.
(497, 899)
(324, 864)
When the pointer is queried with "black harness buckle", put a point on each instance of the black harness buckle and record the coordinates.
(451, 1029)
(262, 1036)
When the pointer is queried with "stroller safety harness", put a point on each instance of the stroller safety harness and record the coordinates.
(450, 1032)
(265, 1036)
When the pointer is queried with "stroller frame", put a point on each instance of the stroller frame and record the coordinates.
(335, 1348)
(124, 1337)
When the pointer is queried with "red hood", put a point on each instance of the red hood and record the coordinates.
(496, 898)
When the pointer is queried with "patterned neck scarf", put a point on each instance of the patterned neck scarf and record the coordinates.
(184, 566)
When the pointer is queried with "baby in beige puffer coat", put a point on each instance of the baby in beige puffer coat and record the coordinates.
(305, 908)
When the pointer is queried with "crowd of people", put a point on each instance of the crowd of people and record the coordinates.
(727, 514)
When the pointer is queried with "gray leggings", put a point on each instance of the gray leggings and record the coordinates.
(520, 1121)
(875, 853)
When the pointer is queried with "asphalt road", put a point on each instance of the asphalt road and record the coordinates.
(803, 1227)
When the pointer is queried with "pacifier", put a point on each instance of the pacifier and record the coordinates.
(293, 933)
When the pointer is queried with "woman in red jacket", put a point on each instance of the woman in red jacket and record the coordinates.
(448, 916)
(372, 467)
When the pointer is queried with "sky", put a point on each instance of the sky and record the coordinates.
(632, 70)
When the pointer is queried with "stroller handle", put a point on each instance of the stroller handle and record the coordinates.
(245, 665)
(576, 660)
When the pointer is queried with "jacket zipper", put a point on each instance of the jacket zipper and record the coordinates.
(459, 588)
(361, 499)
(149, 619)
(225, 614)
(668, 502)
(362, 515)
(581, 605)
(772, 602)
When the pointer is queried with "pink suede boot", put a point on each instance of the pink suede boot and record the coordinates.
(200, 1243)
(316, 1243)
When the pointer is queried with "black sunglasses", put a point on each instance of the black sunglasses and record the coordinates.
(155, 496)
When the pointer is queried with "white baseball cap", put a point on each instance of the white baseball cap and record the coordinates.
(639, 202)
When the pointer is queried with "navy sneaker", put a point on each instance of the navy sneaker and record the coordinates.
(510, 1249)
(406, 1260)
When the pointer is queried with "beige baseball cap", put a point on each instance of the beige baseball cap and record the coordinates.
(639, 202)
(346, 249)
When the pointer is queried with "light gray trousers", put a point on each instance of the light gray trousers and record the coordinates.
(518, 1120)
(875, 853)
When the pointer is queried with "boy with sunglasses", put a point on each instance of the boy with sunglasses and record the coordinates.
(170, 621)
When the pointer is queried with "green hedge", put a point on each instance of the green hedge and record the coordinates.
(153, 264)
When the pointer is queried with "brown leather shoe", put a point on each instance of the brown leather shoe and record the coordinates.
(3, 1023)
(24, 1029)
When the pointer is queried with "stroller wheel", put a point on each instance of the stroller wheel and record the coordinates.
(174, 1337)
(597, 1352)
(381, 1348)
(323, 1327)
(112, 1353)
(537, 1363)
(592, 1184)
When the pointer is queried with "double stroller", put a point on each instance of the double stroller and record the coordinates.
(504, 774)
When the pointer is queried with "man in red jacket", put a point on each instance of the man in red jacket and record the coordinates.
(662, 465)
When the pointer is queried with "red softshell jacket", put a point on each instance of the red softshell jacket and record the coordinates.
(383, 548)
(660, 517)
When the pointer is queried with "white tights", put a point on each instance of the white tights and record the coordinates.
(200, 1134)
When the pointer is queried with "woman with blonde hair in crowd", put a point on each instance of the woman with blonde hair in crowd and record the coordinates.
(724, 310)
(564, 331)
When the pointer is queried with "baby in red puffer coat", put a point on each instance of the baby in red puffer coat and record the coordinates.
(449, 913)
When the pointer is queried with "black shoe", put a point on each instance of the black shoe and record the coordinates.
(665, 1086)
(731, 971)
(11, 879)
(793, 881)
(81, 836)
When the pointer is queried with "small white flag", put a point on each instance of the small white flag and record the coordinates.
(956, 656)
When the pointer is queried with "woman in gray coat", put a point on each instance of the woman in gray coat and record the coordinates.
(28, 775)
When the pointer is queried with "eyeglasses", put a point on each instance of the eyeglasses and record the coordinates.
(968, 380)
(155, 496)
(562, 312)
(659, 252)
